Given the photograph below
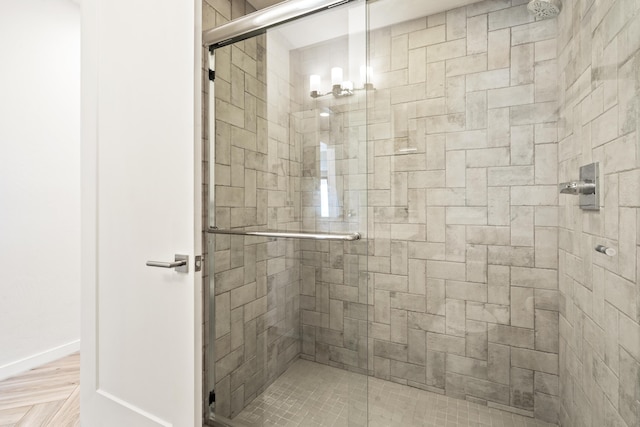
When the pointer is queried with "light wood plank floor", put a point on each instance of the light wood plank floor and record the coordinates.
(45, 396)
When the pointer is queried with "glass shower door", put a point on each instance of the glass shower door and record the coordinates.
(288, 342)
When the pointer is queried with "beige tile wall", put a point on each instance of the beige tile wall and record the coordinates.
(462, 217)
(334, 293)
(461, 248)
(257, 175)
(256, 171)
(599, 69)
(214, 14)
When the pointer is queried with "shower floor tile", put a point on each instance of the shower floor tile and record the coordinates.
(309, 394)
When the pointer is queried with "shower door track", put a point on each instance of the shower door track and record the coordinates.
(258, 22)
(348, 237)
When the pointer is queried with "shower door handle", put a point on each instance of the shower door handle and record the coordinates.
(181, 264)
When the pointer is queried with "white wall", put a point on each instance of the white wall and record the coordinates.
(39, 182)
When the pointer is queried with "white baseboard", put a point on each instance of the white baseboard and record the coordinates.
(23, 365)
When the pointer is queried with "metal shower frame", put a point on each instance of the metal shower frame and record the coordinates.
(258, 22)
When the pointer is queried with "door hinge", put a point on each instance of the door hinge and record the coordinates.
(198, 262)
(212, 75)
(212, 397)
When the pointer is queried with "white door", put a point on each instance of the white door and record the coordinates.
(141, 152)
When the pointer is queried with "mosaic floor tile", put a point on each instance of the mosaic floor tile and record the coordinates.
(309, 394)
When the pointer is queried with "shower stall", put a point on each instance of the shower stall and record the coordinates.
(388, 244)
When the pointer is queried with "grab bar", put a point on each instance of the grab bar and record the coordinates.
(289, 235)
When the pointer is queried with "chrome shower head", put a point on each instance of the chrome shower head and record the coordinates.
(545, 9)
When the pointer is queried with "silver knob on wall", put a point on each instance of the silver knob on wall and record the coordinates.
(606, 250)
(586, 188)
(577, 187)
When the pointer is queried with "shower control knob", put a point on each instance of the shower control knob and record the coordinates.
(606, 250)
(577, 187)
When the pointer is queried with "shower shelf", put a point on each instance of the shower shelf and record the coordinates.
(348, 237)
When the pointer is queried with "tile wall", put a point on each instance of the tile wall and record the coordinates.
(462, 217)
(599, 69)
(214, 14)
(334, 297)
(257, 175)
(453, 184)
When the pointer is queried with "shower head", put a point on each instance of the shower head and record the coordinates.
(545, 9)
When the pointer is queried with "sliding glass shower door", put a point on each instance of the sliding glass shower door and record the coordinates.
(288, 280)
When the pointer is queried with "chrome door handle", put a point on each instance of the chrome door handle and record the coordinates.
(181, 264)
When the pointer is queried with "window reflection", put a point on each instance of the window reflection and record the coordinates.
(328, 193)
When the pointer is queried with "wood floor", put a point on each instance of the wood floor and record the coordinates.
(45, 396)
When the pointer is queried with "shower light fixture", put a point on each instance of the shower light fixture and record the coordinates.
(341, 87)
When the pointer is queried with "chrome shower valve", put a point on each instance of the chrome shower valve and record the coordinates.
(578, 187)
(586, 188)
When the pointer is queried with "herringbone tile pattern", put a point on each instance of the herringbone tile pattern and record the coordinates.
(45, 396)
